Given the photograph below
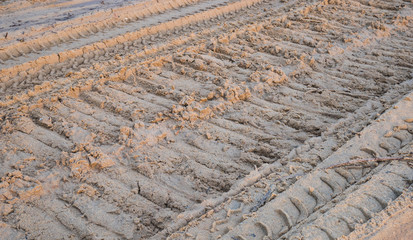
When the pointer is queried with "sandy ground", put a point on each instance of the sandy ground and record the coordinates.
(395, 222)
(206, 119)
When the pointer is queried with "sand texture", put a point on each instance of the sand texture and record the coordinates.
(206, 119)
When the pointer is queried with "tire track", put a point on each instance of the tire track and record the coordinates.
(327, 204)
(146, 31)
(89, 26)
(141, 144)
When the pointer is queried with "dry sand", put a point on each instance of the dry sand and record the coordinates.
(205, 119)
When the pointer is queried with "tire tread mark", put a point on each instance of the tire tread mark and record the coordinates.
(265, 228)
(396, 191)
(366, 212)
(320, 199)
(333, 185)
(346, 175)
(304, 213)
(326, 232)
(381, 202)
(347, 222)
(285, 217)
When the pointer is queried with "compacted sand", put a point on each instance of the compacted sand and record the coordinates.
(206, 119)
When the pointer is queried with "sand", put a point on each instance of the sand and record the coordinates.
(205, 119)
